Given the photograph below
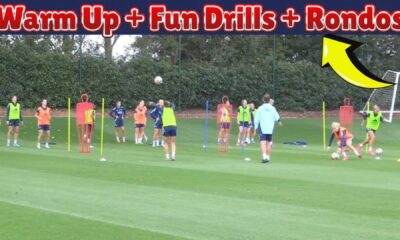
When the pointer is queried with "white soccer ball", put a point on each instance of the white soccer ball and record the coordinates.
(247, 159)
(335, 156)
(379, 151)
(158, 80)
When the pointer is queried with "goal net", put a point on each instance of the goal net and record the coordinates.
(386, 98)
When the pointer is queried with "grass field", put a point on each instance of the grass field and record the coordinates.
(301, 194)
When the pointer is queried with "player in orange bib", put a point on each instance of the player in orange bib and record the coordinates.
(345, 140)
(43, 115)
(140, 121)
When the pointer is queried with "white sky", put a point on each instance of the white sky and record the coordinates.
(119, 48)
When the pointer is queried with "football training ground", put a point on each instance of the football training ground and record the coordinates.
(136, 194)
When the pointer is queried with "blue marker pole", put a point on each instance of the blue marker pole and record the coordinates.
(205, 146)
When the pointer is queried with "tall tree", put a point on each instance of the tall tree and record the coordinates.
(109, 44)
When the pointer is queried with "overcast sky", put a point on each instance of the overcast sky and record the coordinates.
(119, 48)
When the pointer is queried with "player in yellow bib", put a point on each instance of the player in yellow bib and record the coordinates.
(243, 121)
(90, 117)
(14, 120)
(169, 129)
(373, 119)
(224, 121)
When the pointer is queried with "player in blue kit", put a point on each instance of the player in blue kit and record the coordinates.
(119, 113)
(156, 115)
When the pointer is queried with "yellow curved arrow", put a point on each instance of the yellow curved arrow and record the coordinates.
(338, 53)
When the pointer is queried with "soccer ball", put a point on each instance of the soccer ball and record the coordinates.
(335, 156)
(158, 80)
(379, 151)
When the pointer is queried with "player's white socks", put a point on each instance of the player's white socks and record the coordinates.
(173, 155)
(38, 146)
(265, 156)
(47, 145)
(154, 143)
(8, 142)
(117, 138)
(123, 139)
(167, 157)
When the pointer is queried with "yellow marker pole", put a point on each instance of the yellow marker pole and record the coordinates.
(366, 137)
(69, 124)
(324, 124)
(102, 128)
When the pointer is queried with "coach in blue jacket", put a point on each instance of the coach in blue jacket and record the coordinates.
(264, 122)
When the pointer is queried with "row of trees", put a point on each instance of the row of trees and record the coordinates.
(194, 68)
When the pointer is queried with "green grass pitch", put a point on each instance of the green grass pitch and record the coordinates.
(136, 194)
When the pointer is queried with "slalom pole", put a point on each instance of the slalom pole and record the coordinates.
(324, 124)
(366, 135)
(102, 129)
(205, 146)
(69, 125)
(243, 135)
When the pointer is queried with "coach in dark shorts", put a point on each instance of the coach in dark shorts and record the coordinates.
(264, 121)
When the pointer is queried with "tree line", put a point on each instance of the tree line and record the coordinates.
(194, 69)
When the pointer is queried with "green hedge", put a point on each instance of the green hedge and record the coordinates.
(299, 86)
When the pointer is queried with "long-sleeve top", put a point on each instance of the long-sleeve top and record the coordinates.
(156, 114)
(266, 118)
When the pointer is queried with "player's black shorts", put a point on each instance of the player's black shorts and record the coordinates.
(158, 126)
(170, 131)
(44, 128)
(13, 123)
(244, 124)
(266, 137)
(118, 123)
(139, 125)
(370, 129)
(225, 125)
(89, 127)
